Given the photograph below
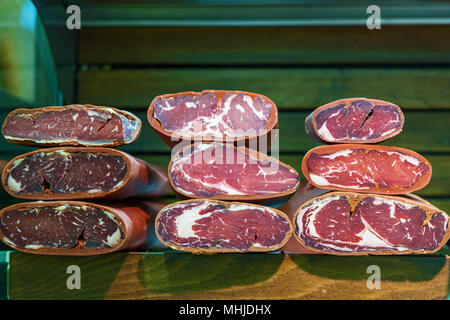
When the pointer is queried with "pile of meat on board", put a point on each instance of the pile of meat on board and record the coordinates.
(235, 197)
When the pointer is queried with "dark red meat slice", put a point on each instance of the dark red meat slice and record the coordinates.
(366, 169)
(211, 226)
(214, 170)
(61, 227)
(233, 114)
(66, 172)
(343, 223)
(356, 120)
(72, 125)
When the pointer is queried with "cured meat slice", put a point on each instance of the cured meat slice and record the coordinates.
(366, 168)
(354, 223)
(209, 226)
(81, 173)
(71, 125)
(74, 227)
(355, 120)
(221, 171)
(212, 115)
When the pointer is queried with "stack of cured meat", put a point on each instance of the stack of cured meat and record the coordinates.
(216, 166)
(369, 209)
(78, 166)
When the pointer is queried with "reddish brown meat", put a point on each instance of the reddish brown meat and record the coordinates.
(208, 226)
(355, 120)
(81, 173)
(366, 168)
(212, 115)
(73, 227)
(351, 223)
(75, 125)
(224, 172)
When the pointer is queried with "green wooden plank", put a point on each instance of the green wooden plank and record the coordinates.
(300, 88)
(44, 277)
(264, 45)
(222, 276)
(423, 132)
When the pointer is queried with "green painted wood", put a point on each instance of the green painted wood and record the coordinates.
(295, 87)
(184, 276)
(264, 45)
(44, 277)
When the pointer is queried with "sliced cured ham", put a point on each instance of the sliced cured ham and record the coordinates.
(212, 115)
(222, 171)
(82, 173)
(366, 168)
(353, 223)
(355, 120)
(210, 226)
(71, 125)
(77, 228)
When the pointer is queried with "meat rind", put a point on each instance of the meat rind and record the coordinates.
(355, 120)
(366, 168)
(348, 223)
(223, 119)
(74, 227)
(71, 125)
(82, 173)
(212, 226)
(224, 172)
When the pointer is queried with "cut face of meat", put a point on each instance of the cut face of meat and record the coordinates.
(208, 226)
(78, 125)
(61, 227)
(222, 171)
(213, 115)
(355, 120)
(365, 168)
(351, 223)
(66, 172)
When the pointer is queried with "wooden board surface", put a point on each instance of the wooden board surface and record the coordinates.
(228, 276)
(288, 87)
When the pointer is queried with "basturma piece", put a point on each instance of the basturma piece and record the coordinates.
(212, 115)
(224, 172)
(366, 168)
(210, 226)
(74, 227)
(355, 120)
(347, 223)
(71, 125)
(82, 173)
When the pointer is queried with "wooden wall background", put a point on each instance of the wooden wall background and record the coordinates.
(299, 68)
